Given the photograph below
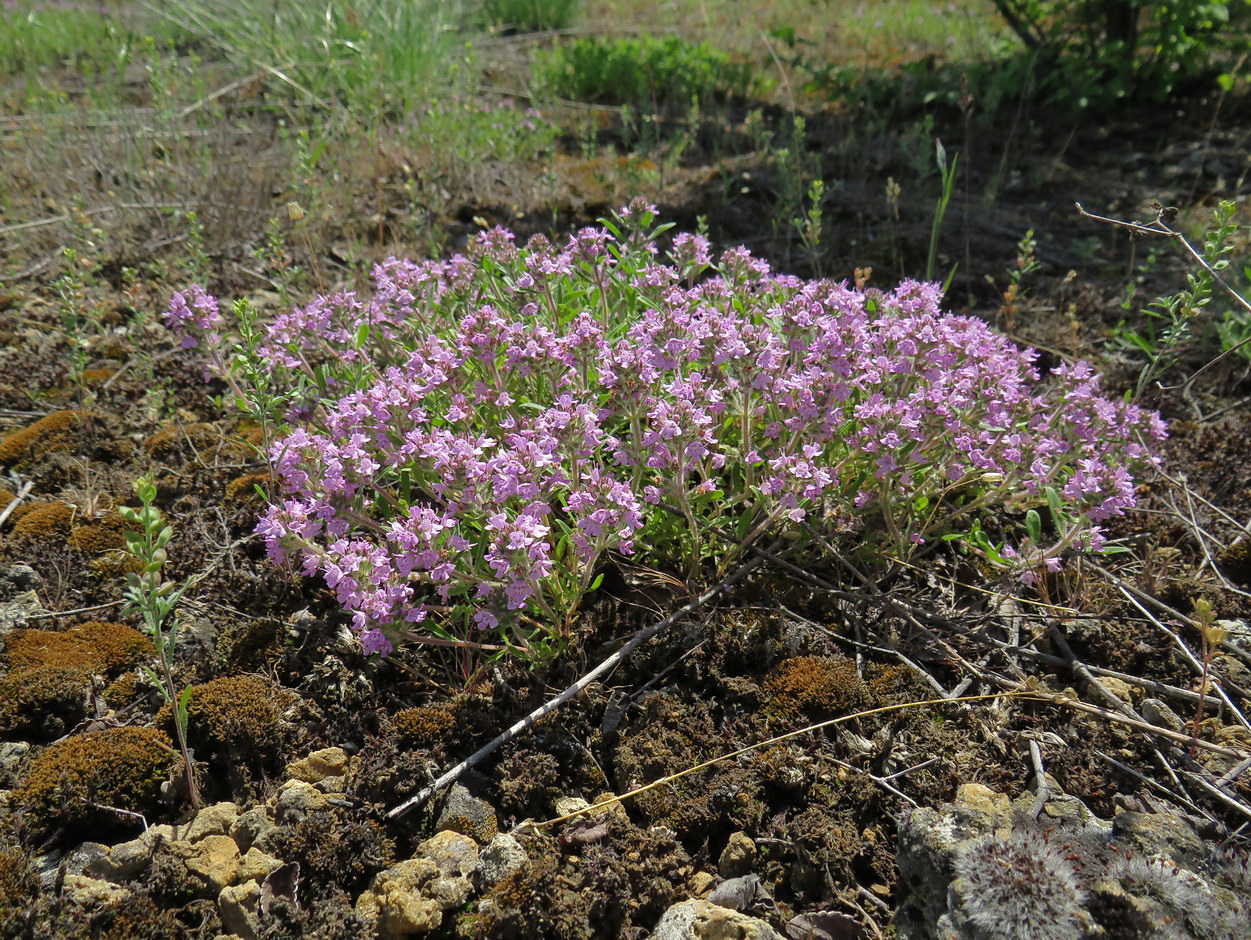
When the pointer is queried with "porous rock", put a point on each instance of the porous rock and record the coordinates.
(92, 892)
(255, 864)
(468, 815)
(214, 860)
(295, 800)
(215, 820)
(699, 920)
(238, 907)
(737, 857)
(328, 762)
(251, 826)
(127, 860)
(396, 904)
(12, 754)
(499, 858)
(411, 897)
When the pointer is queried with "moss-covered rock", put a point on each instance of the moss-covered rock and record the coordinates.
(54, 433)
(100, 535)
(423, 727)
(44, 522)
(235, 723)
(814, 687)
(121, 768)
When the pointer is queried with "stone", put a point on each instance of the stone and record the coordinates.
(1156, 834)
(982, 799)
(215, 820)
(92, 892)
(256, 865)
(127, 860)
(238, 906)
(12, 754)
(456, 857)
(1118, 687)
(455, 853)
(744, 893)
(737, 857)
(499, 858)
(614, 810)
(701, 883)
(698, 920)
(87, 859)
(395, 904)
(295, 800)
(15, 611)
(467, 815)
(568, 805)
(214, 860)
(251, 826)
(328, 762)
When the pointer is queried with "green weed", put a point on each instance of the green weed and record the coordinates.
(650, 74)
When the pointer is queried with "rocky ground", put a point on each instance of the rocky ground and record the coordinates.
(1093, 785)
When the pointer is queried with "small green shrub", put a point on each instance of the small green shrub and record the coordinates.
(649, 73)
(528, 16)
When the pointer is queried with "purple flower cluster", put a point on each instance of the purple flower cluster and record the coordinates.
(495, 423)
(193, 312)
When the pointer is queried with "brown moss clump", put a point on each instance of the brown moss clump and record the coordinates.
(97, 646)
(52, 433)
(254, 646)
(176, 438)
(243, 489)
(50, 677)
(102, 535)
(94, 378)
(115, 564)
(236, 716)
(814, 687)
(43, 702)
(1234, 562)
(118, 645)
(122, 691)
(44, 522)
(121, 768)
(424, 727)
(30, 648)
(6, 496)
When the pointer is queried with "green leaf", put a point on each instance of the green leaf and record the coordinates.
(1033, 526)
(183, 700)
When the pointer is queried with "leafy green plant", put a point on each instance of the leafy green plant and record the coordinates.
(651, 74)
(156, 601)
(1097, 52)
(1170, 328)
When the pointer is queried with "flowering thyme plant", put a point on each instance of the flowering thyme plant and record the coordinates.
(465, 447)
